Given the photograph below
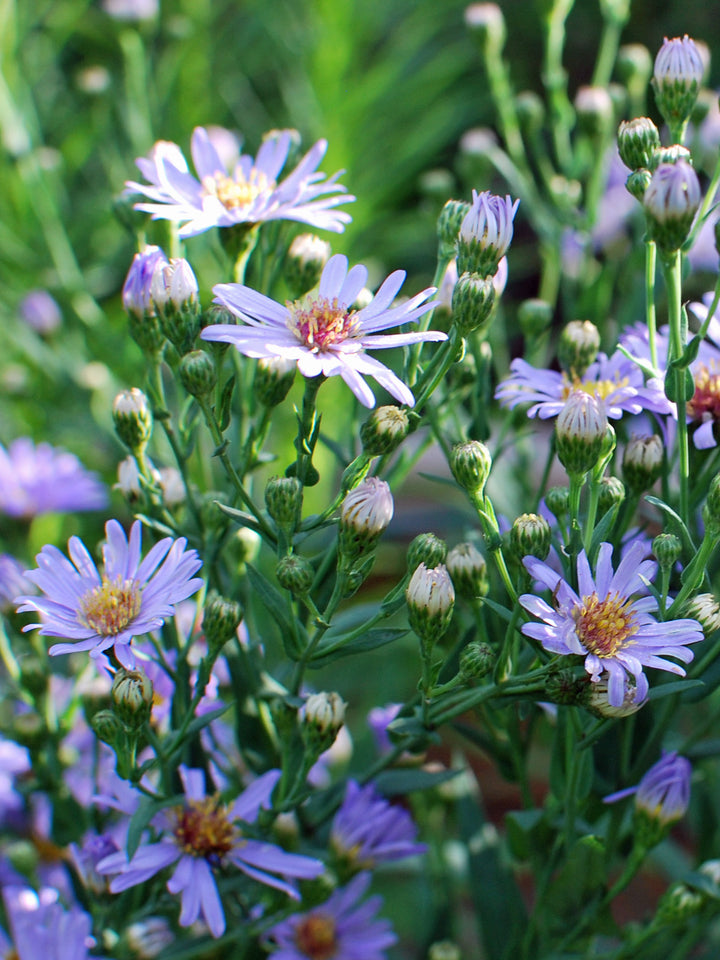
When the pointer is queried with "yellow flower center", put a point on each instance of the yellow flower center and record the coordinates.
(600, 389)
(234, 193)
(109, 608)
(315, 937)
(202, 828)
(706, 399)
(604, 626)
(321, 323)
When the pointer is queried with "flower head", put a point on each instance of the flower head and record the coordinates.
(41, 929)
(252, 192)
(37, 479)
(677, 77)
(608, 621)
(202, 833)
(131, 597)
(340, 928)
(486, 233)
(671, 202)
(663, 794)
(322, 332)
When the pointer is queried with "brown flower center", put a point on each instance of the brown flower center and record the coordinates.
(202, 828)
(604, 626)
(320, 323)
(315, 937)
(109, 608)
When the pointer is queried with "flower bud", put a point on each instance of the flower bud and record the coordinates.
(667, 550)
(174, 293)
(473, 300)
(530, 536)
(705, 609)
(557, 500)
(637, 141)
(530, 112)
(677, 76)
(295, 574)
(133, 419)
(468, 571)
(428, 549)
(485, 233)
(470, 464)
(612, 494)
(172, 486)
(671, 202)
(137, 301)
(221, 619)
(637, 183)
(384, 430)
(306, 257)
(197, 373)
(430, 598)
(670, 154)
(534, 317)
(274, 376)
(476, 660)
(283, 499)
(149, 937)
(107, 727)
(486, 22)
(321, 718)
(580, 433)
(132, 698)
(661, 798)
(129, 480)
(444, 950)
(594, 109)
(365, 513)
(678, 905)
(634, 66)
(596, 700)
(565, 685)
(448, 226)
(578, 347)
(642, 462)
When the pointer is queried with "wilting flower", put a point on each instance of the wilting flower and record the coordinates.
(340, 928)
(44, 479)
(368, 829)
(322, 332)
(202, 833)
(130, 598)
(608, 621)
(250, 193)
(41, 929)
(663, 794)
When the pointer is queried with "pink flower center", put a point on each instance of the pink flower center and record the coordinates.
(202, 828)
(604, 626)
(109, 608)
(600, 389)
(705, 403)
(234, 192)
(315, 937)
(320, 324)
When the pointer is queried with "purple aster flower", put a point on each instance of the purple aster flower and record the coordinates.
(44, 479)
(202, 833)
(379, 719)
(14, 760)
(132, 597)
(250, 193)
(42, 930)
(663, 794)
(40, 311)
(12, 581)
(368, 829)
(136, 292)
(322, 332)
(608, 621)
(615, 381)
(340, 929)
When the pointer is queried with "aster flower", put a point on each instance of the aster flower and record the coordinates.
(41, 929)
(37, 479)
(130, 598)
(202, 833)
(368, 829)
(663, 793)
(12, 581)
(40, 311)
(341, 928)
(322, 332)
(486, 233)
(250, 193)
(615, 381)
(608, 621)
(14, 761)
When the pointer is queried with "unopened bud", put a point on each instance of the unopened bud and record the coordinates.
(485, 233)
(634, 66)
(365, 513)
(530, 112)
(306, 257)
(107, 727)
(132, 698)
(321, 718)
(384, 430)
(444, 950)
(706, 610)
(448, 226)
(149, 937)
(557, 500)
(594, 109)
(197, 373)
(470, 464)
(476, 660)
(133, 419)
(486, 22)
(428, 549)
(136, 295)
(678, 905)
(295, 574)
(580, 432)
(468, 571)
(642, 462)
(175, 297)
(671, 202)
(283, 499)
(596, 700)
(473, 300)
(221, 619)
(670, 154)
(578, 347)
(430, 598)
(612, 494)
(530, 536)
(534, 317)
(637, 183)
(565, 685)
(677, 76)
(637, 141)
(274, 376)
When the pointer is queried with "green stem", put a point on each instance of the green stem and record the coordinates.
(650, 316)
(609, 43)
(671, 263)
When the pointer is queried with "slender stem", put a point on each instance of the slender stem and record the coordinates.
(609, 43)
(650, 317)
(672, 265)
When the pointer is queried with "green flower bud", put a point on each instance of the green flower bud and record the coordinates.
(221, 619)
(197, 373)
(431, 599)
(107, 727)
(612, 493)
(534, 317)
(578, 347)
(530, 536)
(594, 110)
(321, 718)
(133, 419)
(580, 432)
(470, 464)
(678, 905)
(384, 430)
(365, 513)
(468, 571)
(149, 937)
(428, 549)
(634, 66)
(642, 462)
(670, 154)
(677, 77)
(444, 950)
(274, 376)
(213, 316)
(671, 202)
(306, 257)
(132, 698)
(557, 500)
(638, 139)
(283, 499)
(295, 574)
(487, 24)
(667, 549)
(174, 294)
(565, 685)
(705, 609)
(476, 660)
(473, 300)
(637, 183)
(530, 112)
(448, 225)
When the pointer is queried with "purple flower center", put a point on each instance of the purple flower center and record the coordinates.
(315, 937)
(321, 323)
(234, 192)
(109, 608)
(706, 399)
(202, 828)
(604, 626)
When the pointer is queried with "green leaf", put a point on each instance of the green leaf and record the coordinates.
(579, 883)
(688, 384)
(277, 606)
(371, 640)
(242, 518)
(139, 821)
(677, 523)
(602, 531)
(223, 414)
(528, 831)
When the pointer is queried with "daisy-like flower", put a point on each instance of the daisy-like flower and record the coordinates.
(322, 332)
(615, 381)
(202, 833)
(608, 621)
(37, 479)
(41, 929)
(249, 193)
(340, 929)
(131, 597)
(663, 794)
(368, 829)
